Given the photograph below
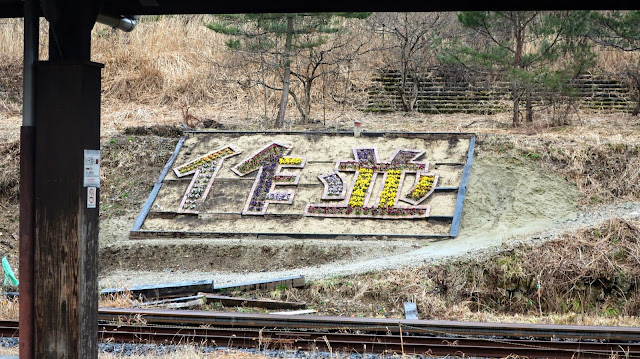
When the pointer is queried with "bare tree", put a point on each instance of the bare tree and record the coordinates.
(530, 48)
(409, 47)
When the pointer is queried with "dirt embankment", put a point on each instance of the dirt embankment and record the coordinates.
(507, 197)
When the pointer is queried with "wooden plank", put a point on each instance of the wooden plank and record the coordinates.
(149, 234)
(156, 188)
(390, 134)
(188, 304)
(163, 290)
(296, 312)
(462, 191)
(171, 300)
(250, 302)
(297, 281)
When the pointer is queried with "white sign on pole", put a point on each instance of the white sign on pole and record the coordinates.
(92, 168)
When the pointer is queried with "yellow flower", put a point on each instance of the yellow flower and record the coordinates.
(290, 161)
(360, 187)
(390, 189)
(425, 183)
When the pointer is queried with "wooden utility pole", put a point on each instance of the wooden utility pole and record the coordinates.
(62, 311)
(66, 211)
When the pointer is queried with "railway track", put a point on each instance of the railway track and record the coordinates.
(361, 335)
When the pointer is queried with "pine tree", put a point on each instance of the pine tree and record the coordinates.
(305, 38)
(532, 49)
(619, 30)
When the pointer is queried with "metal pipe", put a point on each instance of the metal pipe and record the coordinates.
(124, 23)
(31, 45)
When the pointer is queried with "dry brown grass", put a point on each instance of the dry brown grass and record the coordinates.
(604, 168)
(10, 85)
(10, 174)
(164, 61)
(118, 300)
(615, 61)
(176, 62)
(590, 276)
(8, 308)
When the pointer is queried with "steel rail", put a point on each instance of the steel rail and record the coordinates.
(227, 319)
(352, 342)
(363, 334)
(433, 337)
(366, 342)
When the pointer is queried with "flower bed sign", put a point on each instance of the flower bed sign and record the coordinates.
(310, 185)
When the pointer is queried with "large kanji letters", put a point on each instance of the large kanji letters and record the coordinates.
(204, 170)
(268, 162)
(364, 197)
(362, 202)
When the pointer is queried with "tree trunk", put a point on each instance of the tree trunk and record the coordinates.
(286, 78)
(516, 103)
(637, 86)
(264, 88)
(529, 105)
(414, 94)
(403, 92)
(306, 114)
(517, 63)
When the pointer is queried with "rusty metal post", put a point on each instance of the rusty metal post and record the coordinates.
(27, 173)
(27, 156)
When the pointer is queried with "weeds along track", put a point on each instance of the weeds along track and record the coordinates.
(360, 335)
